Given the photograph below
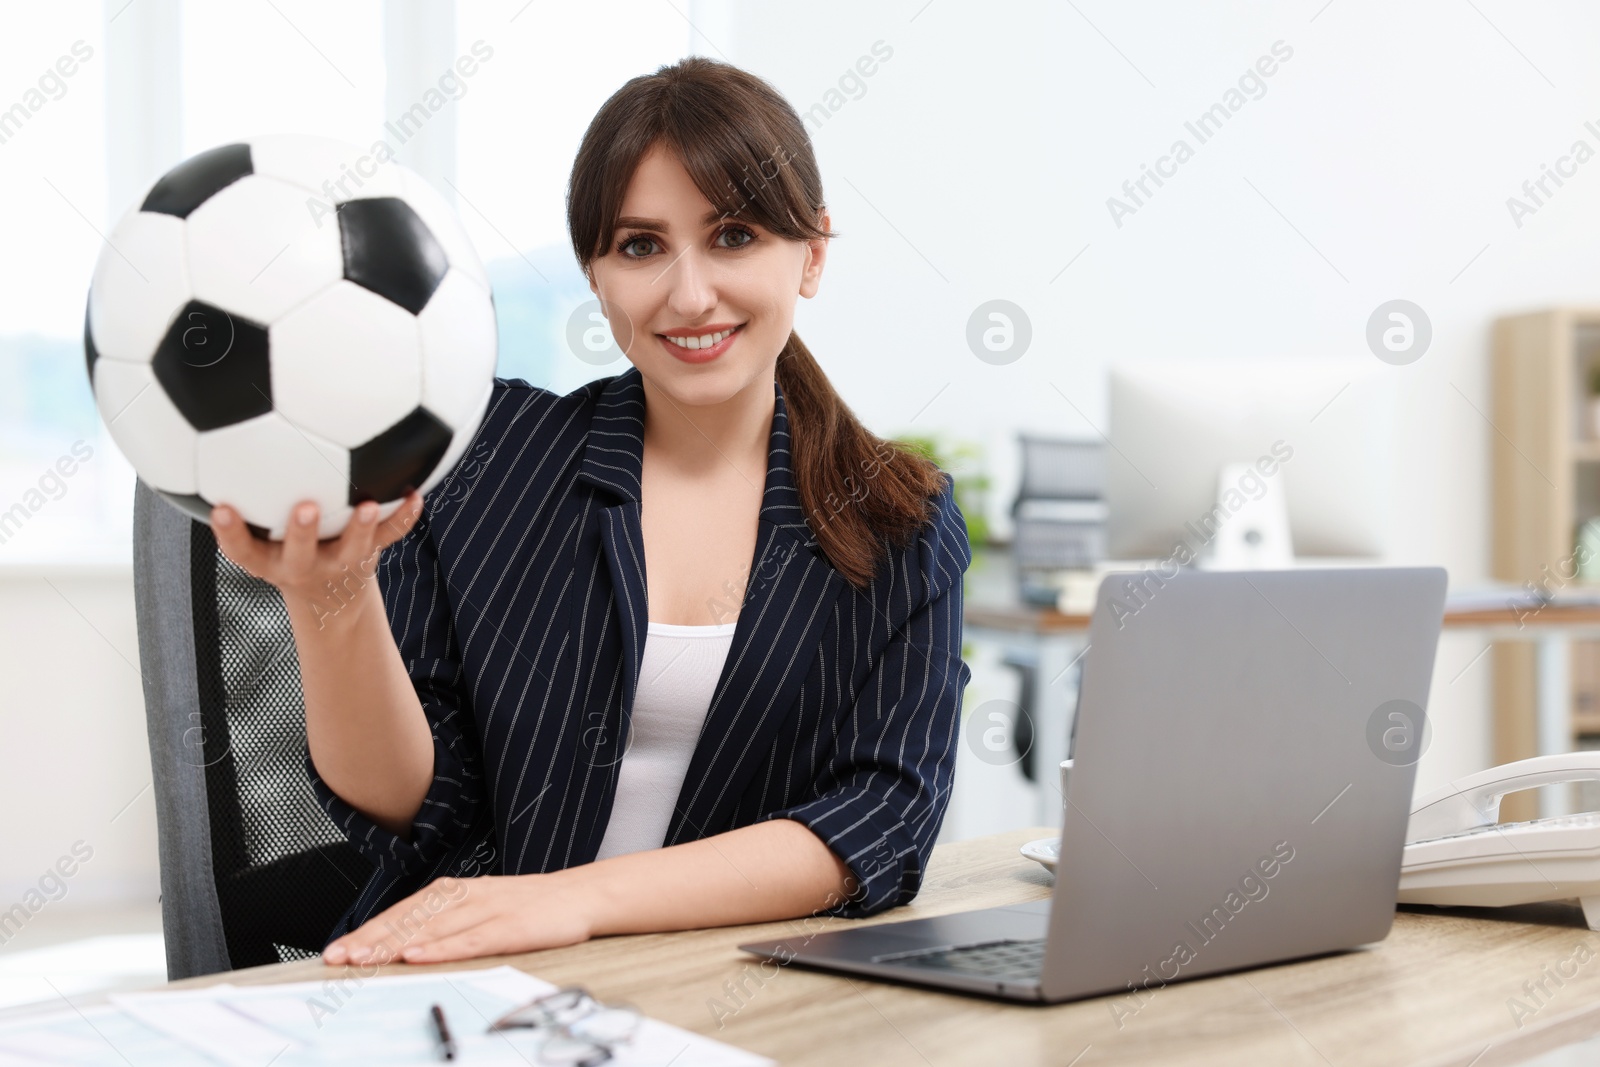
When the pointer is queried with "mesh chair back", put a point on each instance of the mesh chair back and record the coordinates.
(252, 869)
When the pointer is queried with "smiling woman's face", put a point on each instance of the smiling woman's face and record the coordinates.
(677, 270)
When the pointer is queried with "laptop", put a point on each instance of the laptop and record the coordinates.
(1237, 795)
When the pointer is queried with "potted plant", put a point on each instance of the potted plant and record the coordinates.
(963, 461)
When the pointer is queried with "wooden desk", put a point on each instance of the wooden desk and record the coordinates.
(1435, 992)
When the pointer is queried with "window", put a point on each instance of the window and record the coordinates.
(247, 69)
(291, 66)
(519, 125)
(53, 181)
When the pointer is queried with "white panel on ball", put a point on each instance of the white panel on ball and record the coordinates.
(256, 251)
(264, 467)
(458, 348)
(141, 281)
(347, 365)
(151, 433)
(320, 164)
(458, 446)
(434, 210)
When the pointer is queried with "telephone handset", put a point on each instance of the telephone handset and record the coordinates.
(1459, 853)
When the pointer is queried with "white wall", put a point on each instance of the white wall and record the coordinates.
(978, 162)
(75, 762)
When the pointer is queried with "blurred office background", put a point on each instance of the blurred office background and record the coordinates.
(970, 154)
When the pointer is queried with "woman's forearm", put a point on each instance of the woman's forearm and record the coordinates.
(770, 870)
(368, 735)
(759, 873)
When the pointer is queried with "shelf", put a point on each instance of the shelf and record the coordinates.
(1543, 466)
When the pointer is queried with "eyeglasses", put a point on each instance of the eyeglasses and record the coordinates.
(582, 1031)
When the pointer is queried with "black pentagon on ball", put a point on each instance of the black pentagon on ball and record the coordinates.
(90, 352)
(390, 250)
(197, 179)
(198, 508)
(399, 459)
(214, 367)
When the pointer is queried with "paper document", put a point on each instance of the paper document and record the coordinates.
(90, 1038)
(341, 1020)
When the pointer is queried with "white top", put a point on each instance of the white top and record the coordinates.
(678, 675)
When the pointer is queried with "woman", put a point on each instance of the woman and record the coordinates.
(680, 648)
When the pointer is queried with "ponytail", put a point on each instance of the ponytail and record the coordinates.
(861, 493)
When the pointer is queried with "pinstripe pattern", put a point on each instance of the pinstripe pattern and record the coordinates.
(518, 605)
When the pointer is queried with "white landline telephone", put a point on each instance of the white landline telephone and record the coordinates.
(1459, 853)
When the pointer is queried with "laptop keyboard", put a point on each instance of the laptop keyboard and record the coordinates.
(1020, 960)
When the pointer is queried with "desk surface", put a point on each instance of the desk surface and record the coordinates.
(1435, 992)
(992, 603)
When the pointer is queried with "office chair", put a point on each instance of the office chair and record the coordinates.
(1059, 523)
(252, 870)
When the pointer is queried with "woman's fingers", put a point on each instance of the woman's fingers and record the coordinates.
(299, 544)
(513, 925)
(355, 544)
(301, 560)
(489, 937)
(400, 522)
(238, 543)
(403, 920)
(358, 945)
(344, 951)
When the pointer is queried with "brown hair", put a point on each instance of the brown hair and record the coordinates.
(729, 129)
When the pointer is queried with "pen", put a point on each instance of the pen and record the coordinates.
(447, 1044)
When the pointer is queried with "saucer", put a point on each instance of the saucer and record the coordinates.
(1044, 851)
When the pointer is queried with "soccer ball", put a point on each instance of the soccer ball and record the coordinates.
(286, 319)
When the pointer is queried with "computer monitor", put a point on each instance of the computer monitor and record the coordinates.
(1312, 436)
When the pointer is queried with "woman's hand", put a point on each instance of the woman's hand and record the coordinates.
(300, 563)
(462, 918)
(368, 735)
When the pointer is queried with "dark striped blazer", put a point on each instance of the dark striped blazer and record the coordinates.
(518, 605)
